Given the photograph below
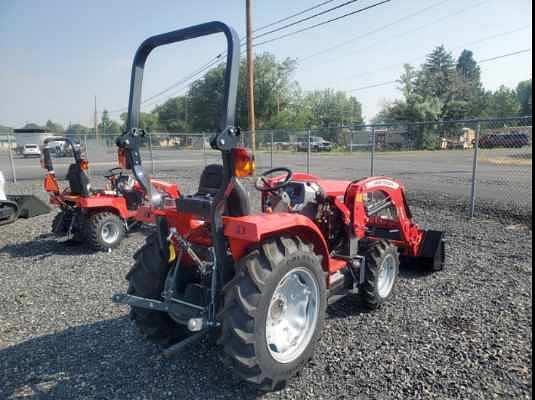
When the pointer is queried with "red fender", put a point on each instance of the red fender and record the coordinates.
(244, 233)
(171, 189)
(115, 204)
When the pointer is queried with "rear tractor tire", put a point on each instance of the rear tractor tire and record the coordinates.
(147, 279)
(105, 231)
(274, 310)
(382, 270)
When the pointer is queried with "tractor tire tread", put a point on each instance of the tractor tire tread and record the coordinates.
(146, 279)
(241, 300)
(92, 230)
(374, 254)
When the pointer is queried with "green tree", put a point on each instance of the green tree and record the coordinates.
(206, 99)
(503, 103)
(328, 108)
(470, 95)
(109, 127)
(147, 121)
(54, 127)
(173, 115)
(77, 131)
(32, 125)
(437, 76)
(524, 93)
(274, 94)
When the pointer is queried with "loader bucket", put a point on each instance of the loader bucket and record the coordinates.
(433, 250)
(9, 212)
(30, 206)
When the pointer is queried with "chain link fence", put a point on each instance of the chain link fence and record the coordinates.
(480, 167)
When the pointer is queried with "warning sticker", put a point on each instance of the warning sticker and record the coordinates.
(382, 183)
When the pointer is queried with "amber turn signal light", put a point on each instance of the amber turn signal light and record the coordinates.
(244, 163)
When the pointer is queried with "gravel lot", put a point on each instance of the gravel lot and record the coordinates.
(465, 333)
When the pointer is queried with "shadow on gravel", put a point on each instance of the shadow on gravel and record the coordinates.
(43, 247)
(108, 360)
(352, 305)
(48, 245)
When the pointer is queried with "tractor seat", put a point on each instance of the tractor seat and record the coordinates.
(79, 182)
(200, 204)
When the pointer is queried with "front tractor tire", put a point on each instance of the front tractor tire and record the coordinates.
(147, 279)
(274, 310)
(382, 271)
(105, 231)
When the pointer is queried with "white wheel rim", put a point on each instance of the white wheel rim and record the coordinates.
(387, 276)
(110, 233)
(293, 315)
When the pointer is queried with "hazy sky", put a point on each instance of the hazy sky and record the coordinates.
(57, 55)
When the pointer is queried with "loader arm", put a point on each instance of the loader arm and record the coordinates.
(366, 222)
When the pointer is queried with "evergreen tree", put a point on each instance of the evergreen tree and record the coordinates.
(524, 93)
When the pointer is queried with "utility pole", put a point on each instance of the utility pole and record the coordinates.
(96, 122)
(250, 74)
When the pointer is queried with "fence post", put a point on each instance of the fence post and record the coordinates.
(272, 147)
(473, 192)
(204, 149)
(151, 151)
(309, 150)
(372, 161)
(351, 141)
(11, 159)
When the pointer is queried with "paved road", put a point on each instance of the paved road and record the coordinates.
(504, 177)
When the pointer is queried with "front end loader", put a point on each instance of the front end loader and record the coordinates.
(13, 207)
(260, 283)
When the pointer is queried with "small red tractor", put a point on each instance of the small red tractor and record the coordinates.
(261, 282)
(100, 218)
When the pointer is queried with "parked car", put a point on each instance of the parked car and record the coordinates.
(510, 140)
(31, 150)
(317, 144)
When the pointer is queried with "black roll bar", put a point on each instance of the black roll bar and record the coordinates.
(47, 157)
(226, 136)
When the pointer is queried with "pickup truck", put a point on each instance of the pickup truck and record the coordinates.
(317, 144)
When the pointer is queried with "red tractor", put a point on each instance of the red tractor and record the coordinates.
(100, 218)
(261, 282)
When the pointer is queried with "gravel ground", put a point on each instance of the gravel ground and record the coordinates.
(465, 333)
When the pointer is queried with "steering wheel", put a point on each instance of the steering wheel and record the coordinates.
(263, 184)
(113, 173)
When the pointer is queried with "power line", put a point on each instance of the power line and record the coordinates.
(323, 23)
(188, 78)
(280, 21)
(480, 62)
(369, 33)
(372, 86)
(347, 3)
(182, 82)
(414, 60)
(516, 53)
(221, 55)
